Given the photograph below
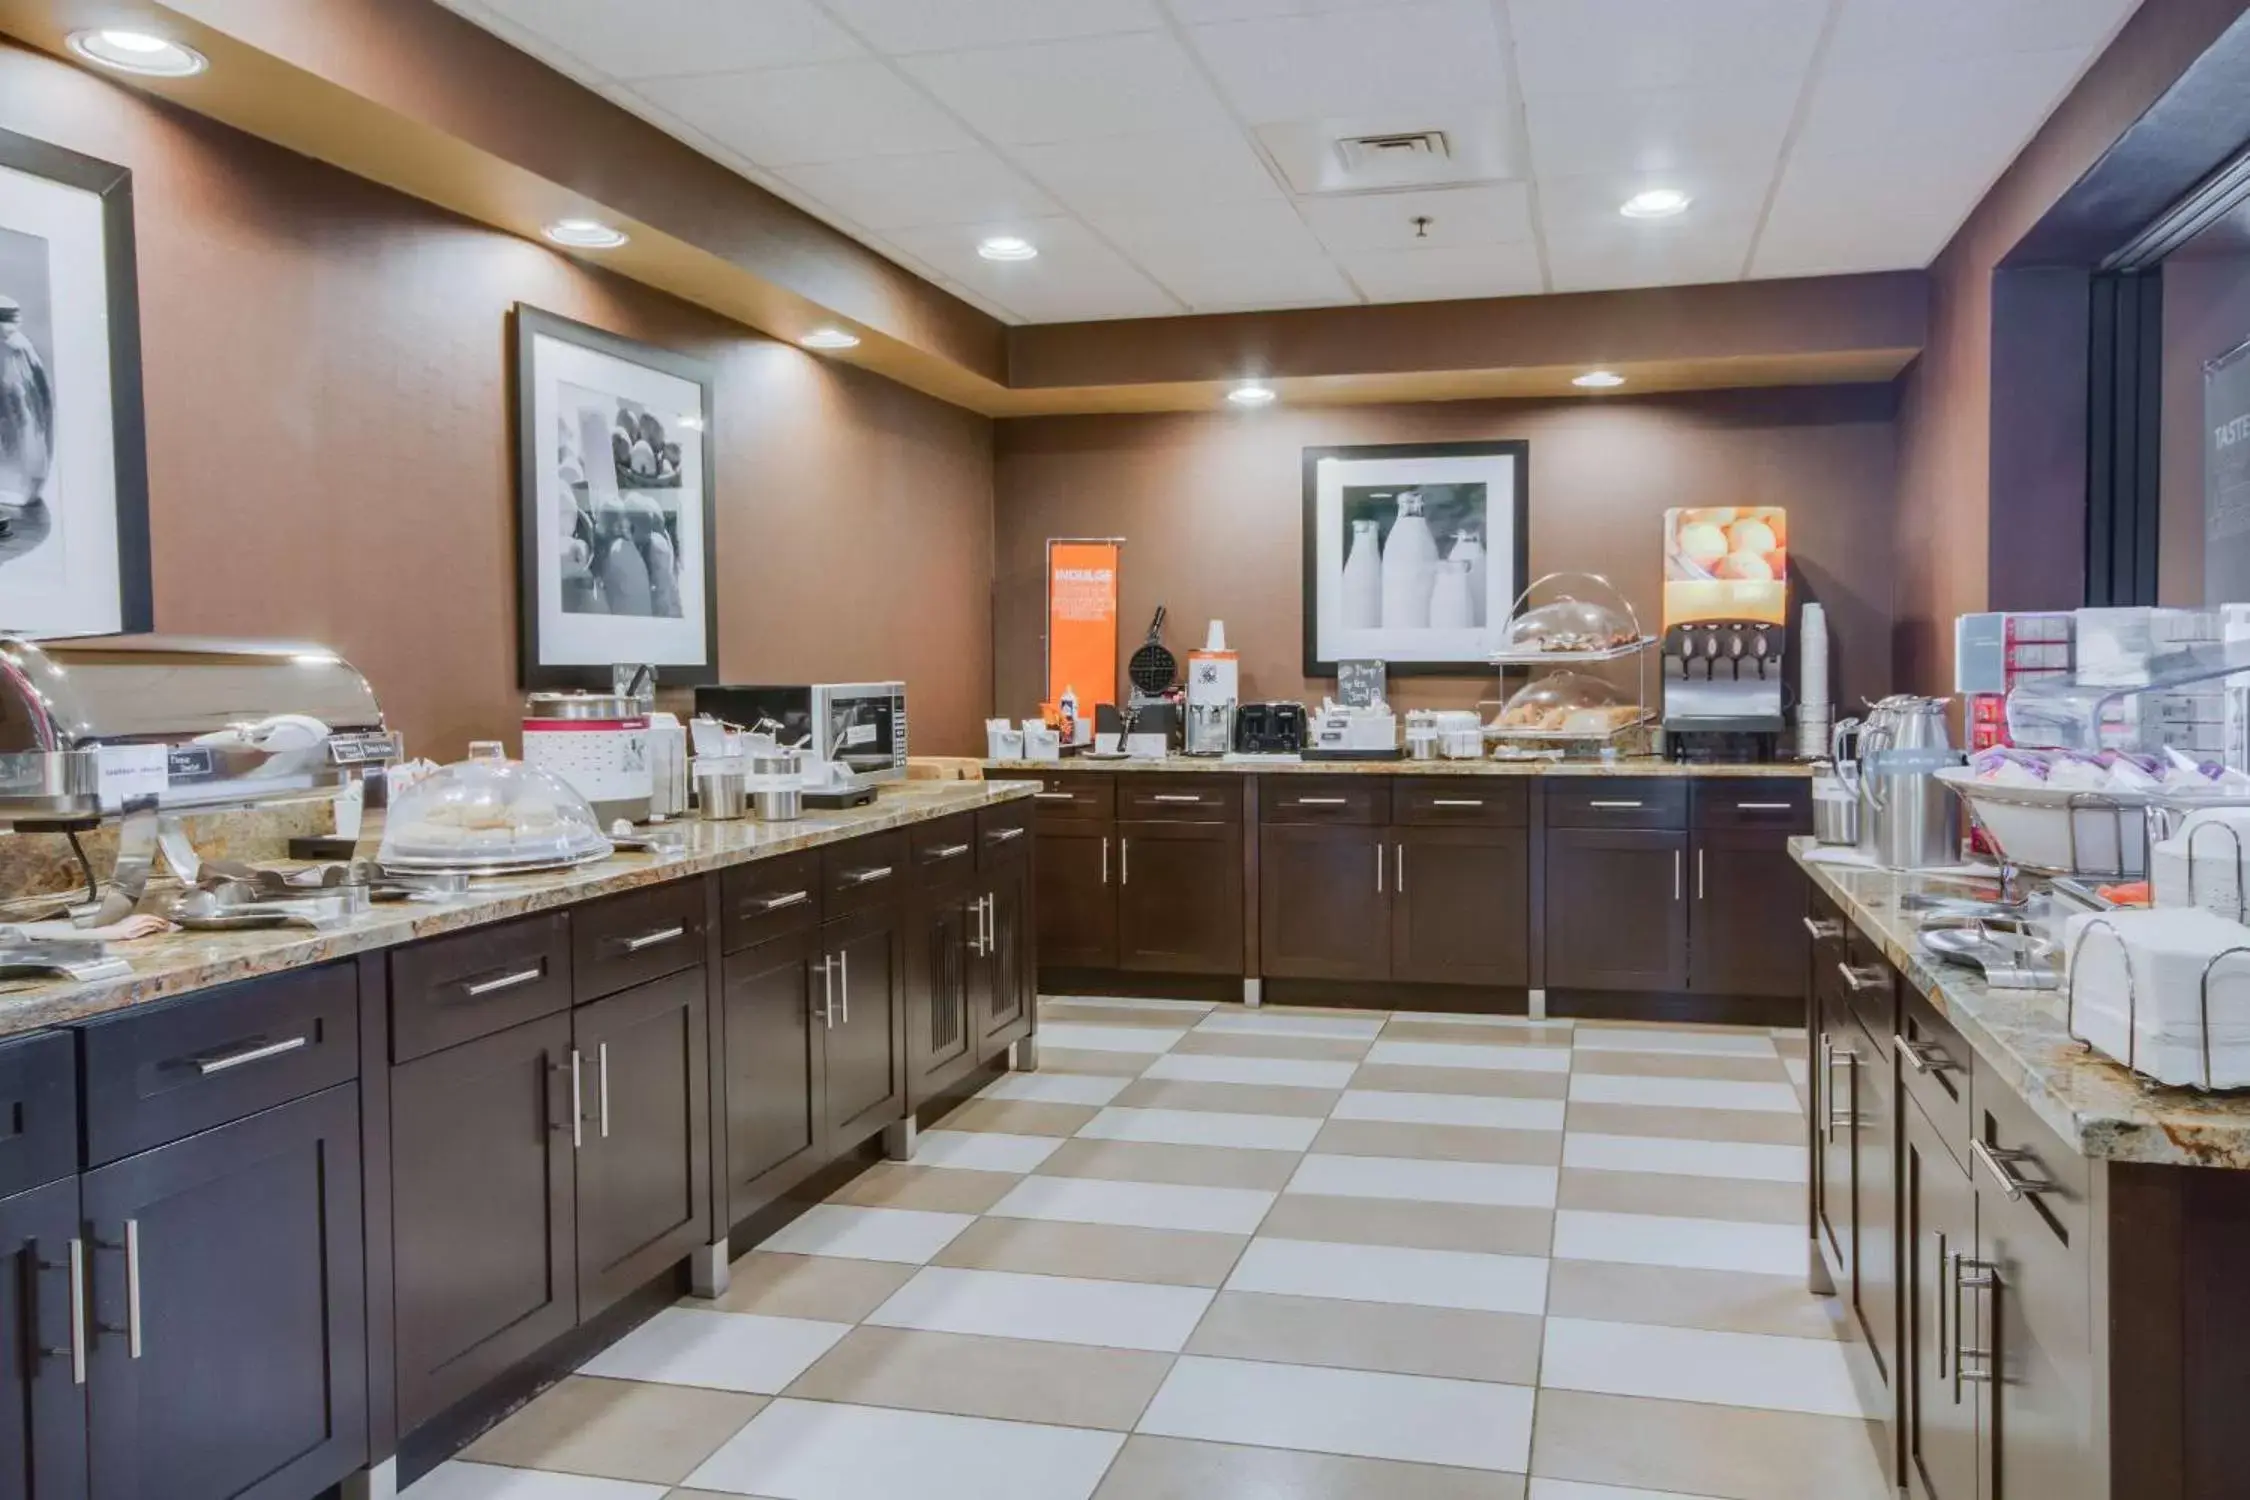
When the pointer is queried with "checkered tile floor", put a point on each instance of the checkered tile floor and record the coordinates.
(1211, 1252)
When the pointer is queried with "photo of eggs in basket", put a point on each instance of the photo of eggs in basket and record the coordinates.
(1734, 544)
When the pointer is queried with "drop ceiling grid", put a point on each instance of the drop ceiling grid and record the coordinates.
(1147, 146)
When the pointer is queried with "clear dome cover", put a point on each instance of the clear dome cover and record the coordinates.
(488, 813)
(1567, 703)
(1569, 623)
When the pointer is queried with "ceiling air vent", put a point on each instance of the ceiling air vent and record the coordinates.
(1419, 148)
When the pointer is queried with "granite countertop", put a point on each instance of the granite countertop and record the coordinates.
(1634, 765)
(2095, 1105)
(177, 962)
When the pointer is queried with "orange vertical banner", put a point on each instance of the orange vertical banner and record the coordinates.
(1082, 621)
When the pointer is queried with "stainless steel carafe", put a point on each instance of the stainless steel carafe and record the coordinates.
(1908, 819)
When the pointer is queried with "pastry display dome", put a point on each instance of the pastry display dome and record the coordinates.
(488, 814)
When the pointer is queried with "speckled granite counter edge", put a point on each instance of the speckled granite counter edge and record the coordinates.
(182, 962)
(2095, 1105)
(1633, 766)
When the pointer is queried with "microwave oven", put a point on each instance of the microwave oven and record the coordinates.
(860, 726)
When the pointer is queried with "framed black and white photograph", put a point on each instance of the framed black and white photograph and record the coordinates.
(1413, 553)
(73, 453)
(614, 487)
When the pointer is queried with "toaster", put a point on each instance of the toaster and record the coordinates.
(1269, 729)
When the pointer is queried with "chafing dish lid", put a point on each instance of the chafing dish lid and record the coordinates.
(70, 694)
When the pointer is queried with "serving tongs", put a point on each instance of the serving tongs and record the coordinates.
(377, 881)
(235, 905)
(2006, 948)
(72, 958)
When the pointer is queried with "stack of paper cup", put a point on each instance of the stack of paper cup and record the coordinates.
(1814, 711)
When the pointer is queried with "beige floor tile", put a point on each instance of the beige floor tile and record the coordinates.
(1417, 1226)
(1726, 1301)
(1475, 1035)
(948, 1190)
(1679, 1065)
(1681, 1197)
(1694, 1449)
(1081, 1060)
(1685, 1028)
(1191, 1166)
(1514, 1083)
(1019, 1117)
(617, 1429)
(1017, 1380)
(1760, 1127)
(1230, 1098)
(1250, 1044)
(1371, 1336)
(1094, 1013)
(1792, 1044)
(1103, 1252)
(1439, 1142)
(1153, 1468)
(827, 1288)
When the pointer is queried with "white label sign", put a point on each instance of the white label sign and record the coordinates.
(129, 771)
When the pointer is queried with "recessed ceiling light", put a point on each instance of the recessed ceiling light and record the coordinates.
(1656, 203)
(585, 234)
(131, 51)
(1252, 395)
(830, 338)
(1599, 380)
(1007, 247)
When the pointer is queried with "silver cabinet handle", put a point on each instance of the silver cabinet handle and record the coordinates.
(577, 1101)
(1944, 1354)
(870, 876)
(504, 982)
(601, 1085)
(75, 1264)
(1699, 873)
(1398, 871)
(1054, 796)
(653, 939)
(1469, 802)
(131, 1245)
(1105, 859)
(1823, 931)
(1378, 868)
(2001, 1164)
(827, 994)
(1831, 1055)
(1320, 802)
(950, 851)
(1975, 1276)
(1857, 980)
(1190, 799)
(776, 903)
(1679, 861)
(1923, 1057)
(991, 923)
(1124, 861)
(209, 1065)
(1005, 835)
(844, 982)
(1765, 807)
(1615, 806)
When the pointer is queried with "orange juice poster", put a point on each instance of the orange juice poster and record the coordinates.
(1726, 563)
(1082, 622)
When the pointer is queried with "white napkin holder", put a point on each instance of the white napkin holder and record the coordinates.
(2165, 991)
(1040, 742)
(1002, 741)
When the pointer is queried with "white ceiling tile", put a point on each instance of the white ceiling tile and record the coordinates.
(654, 38)
(1597, 46)
(1227, 284)
(1234, 231)
(943, 187)
(1883, 211)
(1076, 275)
(794, 116)
(1724, 199)
(1204, 12)
(1073, 90)
(1445, 272)
(1937, 107)
(1875, 32)
(1601, 263)
(1458, 217)
(901, 26)
(1148, 172)
(1434, 55)
(1656, 130)
(1482, 145)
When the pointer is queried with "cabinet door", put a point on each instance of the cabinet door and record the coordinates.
(1836, 1057)
(1617, 910)
(1077, 899)
(1179, 897)
(864, 1035)
(1461, 905)
(42, 1408)
(1941, 1406)
(644, 1173)
(1005, 993)
(773, 1063)
(483, 1203)
(945, 943)
(229, 1289)
(1875, 1184)
(1747, 931)
(1324, 902)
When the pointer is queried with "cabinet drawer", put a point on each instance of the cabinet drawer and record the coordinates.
(1325, 799)
(863, 872)
(1616, 802)
(455, 989)
(38, 1110)
(944, 845)
(2043, 1238)
(1464, 801)
(1003, 835)
(1781, 804)
(1936, 1064)
(156, 1075)
(1871, 985)
(1168, 798)
(1076, 797)
(766, 899)
(631, 939)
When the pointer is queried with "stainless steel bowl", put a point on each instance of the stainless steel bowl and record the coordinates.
(722, 791)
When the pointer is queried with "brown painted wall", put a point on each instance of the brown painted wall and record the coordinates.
(328, 414)
(1211, 507)
(2206, 313)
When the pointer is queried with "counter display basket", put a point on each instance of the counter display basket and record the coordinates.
(1580, 619)
(490, 816)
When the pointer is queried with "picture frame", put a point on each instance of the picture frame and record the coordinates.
(1412, 610)
(617, 516)
(74, 530)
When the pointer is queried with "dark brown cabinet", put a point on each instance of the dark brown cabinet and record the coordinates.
(774, 1057)
(42, 1407)
(1942, 1418)
(863, 1010)
(1617, 909)
(1461, 905)
(1836, 1062)
(1077, 895)
(1745, 934)
(1003, 992)
(945, 943)
(1179, 896)
(1324, 905)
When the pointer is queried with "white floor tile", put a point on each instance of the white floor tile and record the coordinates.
(1383, 1273)
(810, 1450)
(1122, 1002)
(1295, 1071)
(1649, 1153)
(1467, 1018)
(983, 1150)
(1087, 1037)
(1695, 1364)
(724, 1351)
(1052, 1309)
(1799, 1071)
(1144, 1205)
(1056, 1088)
(460, 1481)
(1696, 1244)
(1501, 1058)
(1684, 1093)
(907, 1235)
(1194, 1127)
(1426, 1181)
(1568, 1489)
(1450, 1109)
(1263, 1023)
(1700, 1043)
(1410, 1417)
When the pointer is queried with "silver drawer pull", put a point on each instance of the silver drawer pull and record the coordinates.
(2001, 1164)
(131, 1245)
(1765, 807)
(1321, 802)
(1822, 931)
(1860, 979)
(791, 898)
(1615, 806)
(1923, 1057)
(1974, 1276)
(601, 1085)
(247, 1055)
(950, 851)
(653, 939)
(1005, 835)
(1054, 796)
(75, 1264)
(504, 982)
(869, 877)
(1189, 798)
(1468, 802)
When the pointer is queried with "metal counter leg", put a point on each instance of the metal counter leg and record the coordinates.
(710, 1269)
(1023, 1056)
(898, 1140)
(1253, 991)
(375, 1482)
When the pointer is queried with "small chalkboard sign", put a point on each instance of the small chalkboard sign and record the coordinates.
(1359, 684)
